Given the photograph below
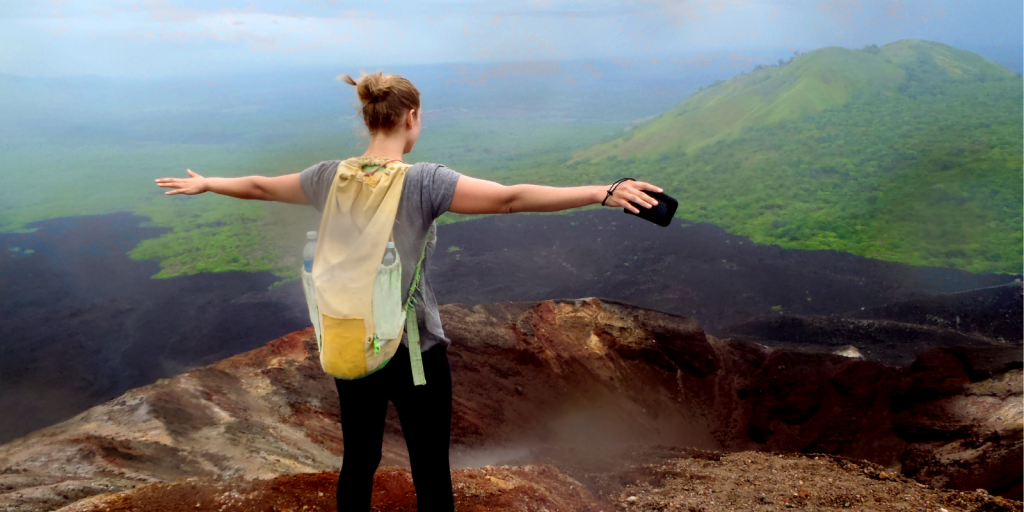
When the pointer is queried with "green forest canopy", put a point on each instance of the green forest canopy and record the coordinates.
(910, 152)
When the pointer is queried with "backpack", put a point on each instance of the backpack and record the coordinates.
(355, 302)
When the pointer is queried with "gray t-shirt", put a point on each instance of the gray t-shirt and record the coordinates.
(426, 194)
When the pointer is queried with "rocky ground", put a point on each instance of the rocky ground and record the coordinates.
(763, 482)
(690, 481)
(573, 384)
(525, 488)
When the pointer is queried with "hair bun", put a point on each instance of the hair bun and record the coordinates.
(371, 88)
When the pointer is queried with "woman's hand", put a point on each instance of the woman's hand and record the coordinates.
(188, 186)
(632, 191)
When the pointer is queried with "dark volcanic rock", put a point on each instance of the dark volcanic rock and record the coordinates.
(879, 340)
(899, 332)
(694, 270)
(994, 312)
(83, 323)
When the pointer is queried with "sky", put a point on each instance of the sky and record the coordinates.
(158, 38)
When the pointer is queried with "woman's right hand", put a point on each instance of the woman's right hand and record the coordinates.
(188, 186)
(633, 191)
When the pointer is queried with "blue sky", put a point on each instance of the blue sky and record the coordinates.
(148, 38)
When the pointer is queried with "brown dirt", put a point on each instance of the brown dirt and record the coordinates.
(757, 481)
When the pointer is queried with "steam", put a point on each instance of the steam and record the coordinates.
(594, 432)
(490, 456)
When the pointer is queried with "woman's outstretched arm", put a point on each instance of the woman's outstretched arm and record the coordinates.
(474, 195)
(285, 189)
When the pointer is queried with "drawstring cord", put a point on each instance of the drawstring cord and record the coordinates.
(613, 187)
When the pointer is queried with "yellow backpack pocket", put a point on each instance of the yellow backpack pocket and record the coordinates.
(344, 347)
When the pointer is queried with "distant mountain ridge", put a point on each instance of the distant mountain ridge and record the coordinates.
(909, 152)
(808, 84)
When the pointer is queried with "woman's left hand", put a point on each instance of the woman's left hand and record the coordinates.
(188, 186)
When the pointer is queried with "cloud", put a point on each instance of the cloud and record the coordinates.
(231, 33)
(53, 9)
(680, 11)
(258, 30)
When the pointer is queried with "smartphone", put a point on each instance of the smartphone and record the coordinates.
(661, 213)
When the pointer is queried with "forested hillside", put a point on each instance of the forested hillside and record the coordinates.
(909, 152)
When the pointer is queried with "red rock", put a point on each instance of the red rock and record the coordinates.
(498, 489)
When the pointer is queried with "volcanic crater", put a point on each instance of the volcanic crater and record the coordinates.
(583, 404)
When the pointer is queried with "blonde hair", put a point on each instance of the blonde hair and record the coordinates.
(385, 98)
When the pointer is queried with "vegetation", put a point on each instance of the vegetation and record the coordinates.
(207, 233)
(925, 169)
(909, 152)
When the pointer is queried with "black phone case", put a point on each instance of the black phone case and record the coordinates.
(661, 213)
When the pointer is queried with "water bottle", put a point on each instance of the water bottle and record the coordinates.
(309, 251)
(389, 255)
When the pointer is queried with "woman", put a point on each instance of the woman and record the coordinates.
(391, 111)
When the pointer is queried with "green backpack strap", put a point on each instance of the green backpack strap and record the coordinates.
(412, 326)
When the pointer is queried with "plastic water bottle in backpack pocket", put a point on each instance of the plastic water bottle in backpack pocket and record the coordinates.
(307, 285)
(388, 314)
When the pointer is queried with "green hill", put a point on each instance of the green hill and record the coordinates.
(908, 152)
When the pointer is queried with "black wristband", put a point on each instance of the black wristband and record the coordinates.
(611, 190)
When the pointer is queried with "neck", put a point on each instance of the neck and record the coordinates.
(390, 147)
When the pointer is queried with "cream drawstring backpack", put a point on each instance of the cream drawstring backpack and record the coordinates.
(355, 302)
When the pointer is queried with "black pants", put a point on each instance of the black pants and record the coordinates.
(426, 416)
